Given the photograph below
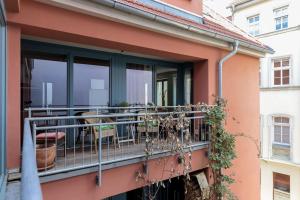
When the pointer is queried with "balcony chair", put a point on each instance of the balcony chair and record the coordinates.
(153, 126)
(106, 130)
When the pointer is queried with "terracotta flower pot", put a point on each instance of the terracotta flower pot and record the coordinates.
(45, 156)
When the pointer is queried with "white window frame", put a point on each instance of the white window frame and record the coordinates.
(281, 69)
(280, 14)
(253, 27)
(282, 124)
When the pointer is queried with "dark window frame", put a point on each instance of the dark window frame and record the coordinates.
(3, 48)
(117, 63)
(281, 182)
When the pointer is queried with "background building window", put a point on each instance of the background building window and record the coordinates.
(137, 75)
(281, 186)
(282, 71)
(281, 18)
(91, 82)
(281, 130)
(253, 25)
(281, 137)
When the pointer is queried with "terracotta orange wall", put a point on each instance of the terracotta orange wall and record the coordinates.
(241, 89)
(240, 83)
(116, 180)
(194, 6)
(13, 97)
(63, 25)
(58, 23)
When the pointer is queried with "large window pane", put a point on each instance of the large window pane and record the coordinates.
(281, 182)
(137, 76)
(91, 82)
(44, 81)
(188, 86)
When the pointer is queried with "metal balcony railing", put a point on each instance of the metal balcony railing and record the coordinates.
(30, 183)
(67, 139)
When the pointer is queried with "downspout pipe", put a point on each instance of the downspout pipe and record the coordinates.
(220, 67)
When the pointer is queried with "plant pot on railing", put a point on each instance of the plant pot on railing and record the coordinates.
(45, 156)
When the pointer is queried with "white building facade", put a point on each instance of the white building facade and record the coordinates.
(277, 23)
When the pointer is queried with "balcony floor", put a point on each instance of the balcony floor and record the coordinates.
(82, 157)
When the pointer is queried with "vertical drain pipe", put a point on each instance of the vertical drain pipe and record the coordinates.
(220, 69)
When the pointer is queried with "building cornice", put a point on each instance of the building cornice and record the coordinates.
(295, 28)
(281, 88)
(282, 162)
(244, 4)
(160, 25)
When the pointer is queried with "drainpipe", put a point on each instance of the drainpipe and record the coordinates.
(220, 69)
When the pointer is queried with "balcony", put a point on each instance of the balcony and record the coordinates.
(71, 139)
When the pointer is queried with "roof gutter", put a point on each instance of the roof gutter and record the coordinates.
(220, 67)
(131, 10)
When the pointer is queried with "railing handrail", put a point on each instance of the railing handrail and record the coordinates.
(107, 115)
(104, 107)
(100, 124)
(30, 183)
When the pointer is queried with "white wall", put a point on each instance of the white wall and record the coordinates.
(280, 102)
(285, 44)
(265, 10)
(267, 169)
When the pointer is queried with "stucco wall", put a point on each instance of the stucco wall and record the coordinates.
(240, 89)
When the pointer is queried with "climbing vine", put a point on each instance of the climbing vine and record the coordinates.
(222, 151)
(174, 137)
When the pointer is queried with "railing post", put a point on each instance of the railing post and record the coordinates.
(99, 177)
(181, 132)
(29, 112)
(34, 138)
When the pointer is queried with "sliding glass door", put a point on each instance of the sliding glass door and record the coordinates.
(138, 77)
(166, 86)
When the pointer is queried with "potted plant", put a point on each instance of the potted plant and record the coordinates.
(45, 156)
(124, 104)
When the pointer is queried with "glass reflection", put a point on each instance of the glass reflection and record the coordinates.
(166, 86)
(91, 82)
(44, 81)
(136, 77)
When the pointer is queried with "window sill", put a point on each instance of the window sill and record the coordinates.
(285, 87)
(283, 162)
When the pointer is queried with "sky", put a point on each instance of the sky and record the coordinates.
(219, 6)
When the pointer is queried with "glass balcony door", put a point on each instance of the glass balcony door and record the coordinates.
(90, 82)
(166, 86)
